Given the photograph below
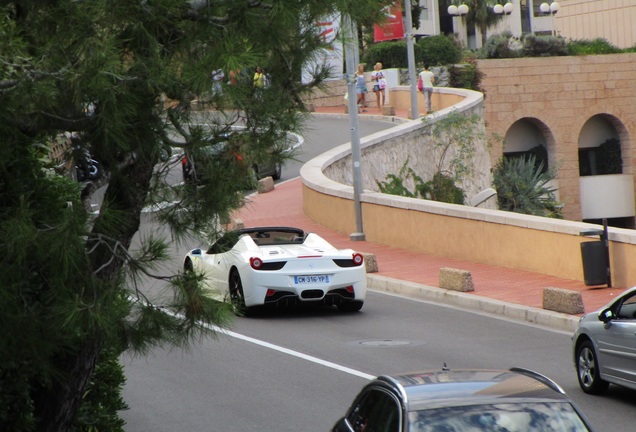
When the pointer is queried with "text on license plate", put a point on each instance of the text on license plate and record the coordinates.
(311, 279)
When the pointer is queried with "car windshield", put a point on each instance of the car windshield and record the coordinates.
(500, 417)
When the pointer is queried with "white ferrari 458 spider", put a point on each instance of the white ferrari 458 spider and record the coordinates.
(278, 266)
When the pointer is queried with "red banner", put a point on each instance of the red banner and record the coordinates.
(393, 28)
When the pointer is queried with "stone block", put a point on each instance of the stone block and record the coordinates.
(265, 185)
(455, 279)
(370, 262)
(388, 110)
(562, 300)
(238, 224)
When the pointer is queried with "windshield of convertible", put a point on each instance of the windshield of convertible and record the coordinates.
(275, 236)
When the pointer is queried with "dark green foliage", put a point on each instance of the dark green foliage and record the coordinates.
(591, 47)
(74, 284)
(394, 183)
(522, 187)
(392, 54)
(544, 46)
(438, 50)
(608, 157)
(102, 399)
(466, 75)
(442, 188)
(501, 46)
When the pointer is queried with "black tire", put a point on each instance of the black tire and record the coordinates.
(237, 297)
(350, 306)
(187, 266)
(588, 369)
(278, 172)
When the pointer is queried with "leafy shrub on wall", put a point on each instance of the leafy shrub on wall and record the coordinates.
(544, 46)
(523, 187)
(466, 75)
(590, 47)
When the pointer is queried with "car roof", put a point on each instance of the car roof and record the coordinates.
(428, 389)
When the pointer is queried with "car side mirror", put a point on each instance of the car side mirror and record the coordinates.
(606, 315)
(196, 251)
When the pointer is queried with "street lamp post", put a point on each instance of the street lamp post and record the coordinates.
(350, 65)
(460, 11)
(551, 9)
(410, 55)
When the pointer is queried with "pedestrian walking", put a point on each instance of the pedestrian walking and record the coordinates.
(379, 84)
(427, 78)
(361, 88)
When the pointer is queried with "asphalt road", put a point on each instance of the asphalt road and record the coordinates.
(299, 370)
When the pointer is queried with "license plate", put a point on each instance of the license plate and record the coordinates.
(311, 279)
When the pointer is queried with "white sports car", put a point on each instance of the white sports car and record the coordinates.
(279, 266)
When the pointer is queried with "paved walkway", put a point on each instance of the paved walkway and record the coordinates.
(283, 206)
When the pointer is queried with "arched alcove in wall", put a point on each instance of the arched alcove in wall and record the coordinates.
(599, 147)
(605, 169)
(528, 136)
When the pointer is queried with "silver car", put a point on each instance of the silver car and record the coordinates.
(463, 401)
(604, 346)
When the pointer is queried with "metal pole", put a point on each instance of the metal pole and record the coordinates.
(410, 53)
(351, 63)
(605, 239)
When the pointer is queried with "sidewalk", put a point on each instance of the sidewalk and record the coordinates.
(497, 289)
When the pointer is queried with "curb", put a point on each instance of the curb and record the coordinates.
(553, 320)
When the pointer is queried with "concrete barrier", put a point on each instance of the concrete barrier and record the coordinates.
(455, 279)
(265, 185)
(562, 300)
(370, 262)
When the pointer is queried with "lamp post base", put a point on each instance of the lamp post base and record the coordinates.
(357, 236)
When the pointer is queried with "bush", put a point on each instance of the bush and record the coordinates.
(390, 54)
(438, 50)
(501, 46)
(466, 75)
(589, 47)
(522, 187)
(544, 46)
(441, 188)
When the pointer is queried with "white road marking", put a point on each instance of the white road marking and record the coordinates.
(292, 353)
(277, 347)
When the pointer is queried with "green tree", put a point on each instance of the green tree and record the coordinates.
(120, 78)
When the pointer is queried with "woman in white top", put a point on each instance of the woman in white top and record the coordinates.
(379, 84)
(428, 78)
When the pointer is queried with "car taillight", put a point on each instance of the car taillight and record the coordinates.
(358, 259)
(256, 263)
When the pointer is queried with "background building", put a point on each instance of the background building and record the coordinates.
(614, 20)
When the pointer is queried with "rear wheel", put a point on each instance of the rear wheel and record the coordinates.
(236, 294)
(587, 370)
(350, 306)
